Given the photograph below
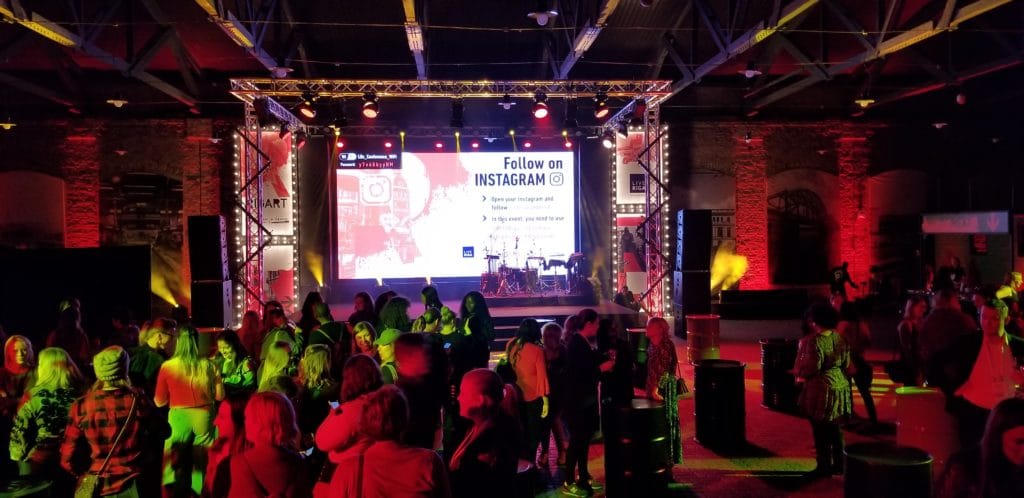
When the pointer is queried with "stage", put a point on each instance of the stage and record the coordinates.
(507, 313)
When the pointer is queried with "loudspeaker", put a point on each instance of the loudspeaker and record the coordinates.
(211, 303)
(691, 291)
(208, 248)
(693, 237)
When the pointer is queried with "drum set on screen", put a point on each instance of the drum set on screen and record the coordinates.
(537, 275)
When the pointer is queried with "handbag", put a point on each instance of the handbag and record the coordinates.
(682, 390)
(89, 485)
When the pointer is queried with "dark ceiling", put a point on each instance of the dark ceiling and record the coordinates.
(173, 57)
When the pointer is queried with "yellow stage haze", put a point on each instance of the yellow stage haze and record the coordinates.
(727, 267)
(315, 262)
(158, 284)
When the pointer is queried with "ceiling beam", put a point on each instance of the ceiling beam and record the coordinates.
(955, 80)
(414, 36)
(37, 90)
(659, 60)
(707, 15)
(230, 25)
(586, 37)
(13, 11)
(895, 44)
(792, 12)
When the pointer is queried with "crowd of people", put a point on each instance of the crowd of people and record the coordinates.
(973, 357)
(382, 404)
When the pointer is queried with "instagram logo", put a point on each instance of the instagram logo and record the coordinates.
(375, 190)
(557, 179)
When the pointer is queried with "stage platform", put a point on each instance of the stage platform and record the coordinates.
(509, 312)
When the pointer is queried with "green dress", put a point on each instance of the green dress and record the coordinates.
(822, 362)
(661, 375)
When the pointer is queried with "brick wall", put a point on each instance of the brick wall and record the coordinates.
(750, 161)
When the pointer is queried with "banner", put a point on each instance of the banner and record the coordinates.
(630, 178)
(277, 184)
(278, 276)
(968, 223)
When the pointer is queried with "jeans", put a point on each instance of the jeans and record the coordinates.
(533, 425)
(582, 423)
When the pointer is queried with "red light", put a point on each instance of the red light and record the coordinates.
(568, 144)
(388, 144)
(540, 110)
(475, 145)
(439, 145)
(339, 144)
(527, 145)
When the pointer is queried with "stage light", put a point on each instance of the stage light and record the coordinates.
(474, 144)
(543, 14)
(194, 110)
(339, 143)
(864, 102)
(601, 109)
(388, 144)
(438, 145)
(961, 98)
(622, 130)
(338, 120)
(567, 144)
(506, 102)
(74, 110)
(540, 107)
(527, 144)
(371, 109)
(458, 112)
(570, 122)
(300, 139)
(305, 108)
(512, 132)
(608, 139)
(639, 109)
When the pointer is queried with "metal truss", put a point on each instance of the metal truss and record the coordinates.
(656, 223)
(480, 132)
(247, 88)
(252, 236)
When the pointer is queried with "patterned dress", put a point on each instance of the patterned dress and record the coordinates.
(822, 362)
(661, 375)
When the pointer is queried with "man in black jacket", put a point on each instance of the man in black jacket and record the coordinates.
(584, 367)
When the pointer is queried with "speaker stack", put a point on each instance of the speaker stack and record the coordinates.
(208, 259)
(691, 281)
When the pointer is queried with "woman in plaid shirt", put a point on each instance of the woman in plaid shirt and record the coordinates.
(97, 418)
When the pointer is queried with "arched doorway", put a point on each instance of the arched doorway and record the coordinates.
(797, 238)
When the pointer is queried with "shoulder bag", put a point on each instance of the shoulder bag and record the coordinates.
(89, 486)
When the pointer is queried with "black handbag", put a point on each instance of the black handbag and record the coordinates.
(89, 486)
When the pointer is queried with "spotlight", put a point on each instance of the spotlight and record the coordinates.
(339, 143)
(540, 107)
(8, 124)
(570, 122)
(543, 14)
(339, 120)
(457, 114)
(305, 108)
(568, 144)
(506, 102)
(474, 144)
(388, 144)
(608, 139)
(370, 107)
(601, 109)
(300, 139)
(961, 98)
(622, 130)
(438, 145)
(527, 144)
(751, 71)
(639, 110)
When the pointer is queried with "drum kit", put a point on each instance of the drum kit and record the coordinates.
(503, 279)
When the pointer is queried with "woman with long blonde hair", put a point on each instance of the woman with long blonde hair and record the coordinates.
(190, 385)
(43, 416)
(317, 389)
